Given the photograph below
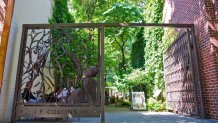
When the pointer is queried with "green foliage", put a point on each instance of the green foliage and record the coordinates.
(124, 12)
(84, 10)
(138, 77)
(153, 49)
(118, 40)
(92, 10)
(126, 103)
(137, 53)
(123, 103)
(155, 105)
(108, 84)
(117, 50)
(72, 49)
(153, 11)
(122, 45)
(138, 81)
(61, 13)
(169, 36)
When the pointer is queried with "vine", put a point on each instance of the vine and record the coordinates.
(153, 49)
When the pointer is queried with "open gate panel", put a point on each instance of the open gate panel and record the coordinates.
(180, 91)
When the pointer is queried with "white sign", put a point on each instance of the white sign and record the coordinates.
(138, 101)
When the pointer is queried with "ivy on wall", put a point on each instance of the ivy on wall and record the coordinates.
(158, 40)
(153, 50)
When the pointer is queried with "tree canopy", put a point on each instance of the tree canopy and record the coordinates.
(133, 56)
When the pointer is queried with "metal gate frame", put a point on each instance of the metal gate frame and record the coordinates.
(101, 27)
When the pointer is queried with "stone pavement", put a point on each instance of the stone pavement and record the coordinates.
(137, 117)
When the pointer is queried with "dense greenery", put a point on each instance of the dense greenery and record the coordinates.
(121, 38)
(154, 53)
(61, 14)
(72, 49)
(133, 56)
(155, 105)
(153, 49)
(136, 79)
(138, 52)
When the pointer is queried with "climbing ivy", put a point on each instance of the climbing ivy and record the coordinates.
(60, 13)
(137, 53)
(169, 36)
(158, 40)
(153, 49)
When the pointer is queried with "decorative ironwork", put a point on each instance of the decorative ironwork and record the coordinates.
(178, 72)
(56, 69)
(58, 73)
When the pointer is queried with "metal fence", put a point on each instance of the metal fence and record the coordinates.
(61, 70)
(181, 76)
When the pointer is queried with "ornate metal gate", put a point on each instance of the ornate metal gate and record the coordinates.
(59, 72)
(183, 91)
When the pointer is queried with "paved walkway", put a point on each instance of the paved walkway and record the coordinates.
(139, 117)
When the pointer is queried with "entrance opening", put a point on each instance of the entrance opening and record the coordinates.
(62, 71)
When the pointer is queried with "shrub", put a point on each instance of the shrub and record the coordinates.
(123, 103)
(155, 105)
(126, 103)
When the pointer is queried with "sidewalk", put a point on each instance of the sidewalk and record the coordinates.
(137, 117)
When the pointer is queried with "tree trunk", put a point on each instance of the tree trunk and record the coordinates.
(78, 66)
(123, 58)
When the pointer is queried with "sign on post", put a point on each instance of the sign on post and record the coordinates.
(138, 101)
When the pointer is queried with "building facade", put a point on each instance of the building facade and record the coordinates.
(204, 15)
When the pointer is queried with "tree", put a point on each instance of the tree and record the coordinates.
(138, 52)
(60, 13)
(71, 49)
(121, 38)
(91, 10)
(84, 9)
(138, 62)
(137, 81)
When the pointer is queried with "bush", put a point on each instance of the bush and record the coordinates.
(155, 105)
(123, 103)
(126, 104)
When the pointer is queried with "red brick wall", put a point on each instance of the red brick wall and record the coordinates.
(200, 13)
(216, 5)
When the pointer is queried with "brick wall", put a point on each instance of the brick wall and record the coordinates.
(212, 88)
(180, 91)
(201, 13)
(216, 7)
